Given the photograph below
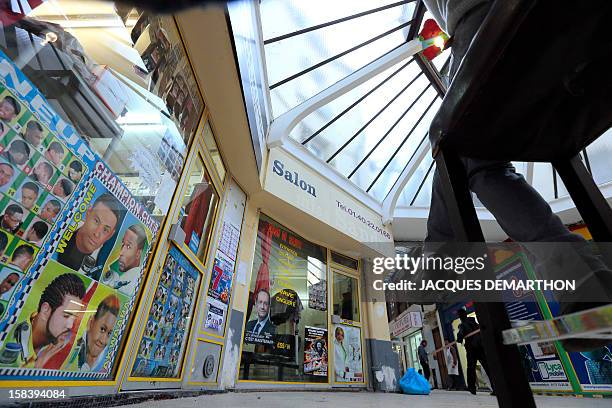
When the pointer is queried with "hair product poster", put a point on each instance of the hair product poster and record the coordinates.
(315, 351)
(73, 245)
(166, 332)
(347, 353)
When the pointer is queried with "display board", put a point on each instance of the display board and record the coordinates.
(547, 366)
(166, 332)
(224, 264)
(74, 244)
(315, 351)
(541, 362)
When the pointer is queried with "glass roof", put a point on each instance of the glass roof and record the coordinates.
(370, 133)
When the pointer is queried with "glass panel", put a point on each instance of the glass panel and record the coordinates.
(337, 134)
(213, 150)
(285, 335)
(293, 55)
(543, 180)
(414, 341)
(599, 153)
(399, 158)
(296, 91)
(352, 154)
(93, 138)
(198, 210)
(423, 198)
(360, 112)
(324, 43)
(346, 297)
(285, 16)
(344, 260)
(412, 185)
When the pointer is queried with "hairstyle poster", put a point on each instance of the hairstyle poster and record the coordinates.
(73, 245)
(164, 341)
(315, 351)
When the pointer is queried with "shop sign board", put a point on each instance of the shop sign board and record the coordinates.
(405, 321)
(73, 243)
(302, 187)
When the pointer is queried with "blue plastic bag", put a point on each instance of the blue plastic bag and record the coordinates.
(414, 383)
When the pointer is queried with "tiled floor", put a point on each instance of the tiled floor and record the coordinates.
(438, 399)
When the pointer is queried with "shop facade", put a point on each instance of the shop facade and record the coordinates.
(138, 253)
(307, 321)
(122, 221)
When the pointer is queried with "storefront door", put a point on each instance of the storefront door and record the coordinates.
(413, 342)
(347, 341)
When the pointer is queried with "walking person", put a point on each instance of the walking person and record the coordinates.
(520, 210)
(452, 365)
(473, 348)
(422, 353)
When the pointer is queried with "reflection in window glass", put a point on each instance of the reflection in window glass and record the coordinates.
(285, 335)
(135, 105)
(346, 297)
(213, 150)
(90, 112)
(198, 210)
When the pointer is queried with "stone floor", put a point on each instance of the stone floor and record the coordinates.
(438, 399)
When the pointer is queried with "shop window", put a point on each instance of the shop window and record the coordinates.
(94, 129)
(213, 150)
(346, 297)
(198, 210)
(132, 97)
(286, 333)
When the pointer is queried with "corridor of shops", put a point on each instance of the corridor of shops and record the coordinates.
(208, 202)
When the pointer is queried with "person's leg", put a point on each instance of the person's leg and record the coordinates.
(520, 210)
(426, 371)
(483, 362)
(438, 223)
(452, 382)
(471, 371)
(527, 218)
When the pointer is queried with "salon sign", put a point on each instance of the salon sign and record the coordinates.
(302, 187)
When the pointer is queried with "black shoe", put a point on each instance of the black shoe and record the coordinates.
(472, 392)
